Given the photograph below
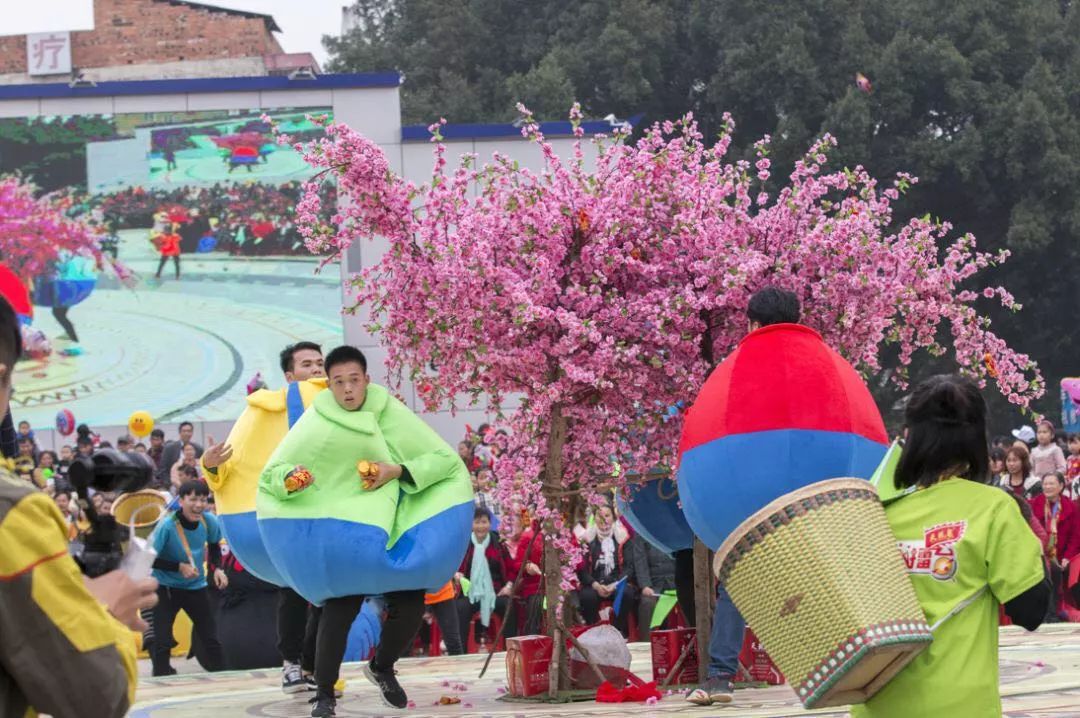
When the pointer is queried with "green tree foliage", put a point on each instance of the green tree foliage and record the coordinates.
(978, 98)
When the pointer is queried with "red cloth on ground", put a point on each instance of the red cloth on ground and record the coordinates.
(639, 693)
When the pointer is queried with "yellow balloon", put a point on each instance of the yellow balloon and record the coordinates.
(140, 423)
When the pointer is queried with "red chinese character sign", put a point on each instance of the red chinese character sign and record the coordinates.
(48, 53)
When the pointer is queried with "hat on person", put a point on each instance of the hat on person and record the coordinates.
(1025, 434)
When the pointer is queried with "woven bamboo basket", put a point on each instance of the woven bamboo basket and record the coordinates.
(818, 577)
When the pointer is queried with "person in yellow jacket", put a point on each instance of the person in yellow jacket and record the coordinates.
(232, 469)
(53, 621)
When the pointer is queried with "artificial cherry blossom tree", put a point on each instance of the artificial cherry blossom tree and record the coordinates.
(35, 231)
(603, 296)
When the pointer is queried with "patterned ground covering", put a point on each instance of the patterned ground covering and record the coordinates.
(179, 349)
(1040, 676)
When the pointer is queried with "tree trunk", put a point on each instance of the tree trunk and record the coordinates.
(704, 603)
(553, 484)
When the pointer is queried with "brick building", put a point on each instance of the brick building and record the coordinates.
(158, 39)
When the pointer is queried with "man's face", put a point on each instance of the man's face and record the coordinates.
(307, 364)
(193, 506)
(86, 449)
(65, 453)
(24, 427)
(156, 442)
(186, 432)
(348, 383)
(26, 448)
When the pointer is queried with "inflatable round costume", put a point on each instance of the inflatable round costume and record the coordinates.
(652, 509)
(335, 539)
(782, 411)
(254, 436)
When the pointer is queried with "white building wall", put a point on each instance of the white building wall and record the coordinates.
(376, 112)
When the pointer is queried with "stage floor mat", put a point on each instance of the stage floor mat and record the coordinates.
(1040, 676)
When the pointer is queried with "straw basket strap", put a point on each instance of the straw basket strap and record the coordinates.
(817, 575)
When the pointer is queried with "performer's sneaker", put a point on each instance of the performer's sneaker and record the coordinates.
(292, 680)
(323, 706)
(393, 694)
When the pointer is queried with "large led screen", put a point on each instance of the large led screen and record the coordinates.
(213, 185)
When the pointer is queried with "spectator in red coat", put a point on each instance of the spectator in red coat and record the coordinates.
(1061, 520)
(489, 578)
(530, 554)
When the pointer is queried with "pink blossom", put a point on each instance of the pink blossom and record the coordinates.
(608, 292)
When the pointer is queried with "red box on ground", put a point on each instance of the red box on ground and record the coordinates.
(527, 659)
(667, 646)
(757, 666)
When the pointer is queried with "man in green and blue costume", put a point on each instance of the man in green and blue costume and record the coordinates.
(363, 498)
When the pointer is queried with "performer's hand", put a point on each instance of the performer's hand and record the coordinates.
(188, 571)
(123, 597)
(387, 473)
(216, 454)
(221, 580)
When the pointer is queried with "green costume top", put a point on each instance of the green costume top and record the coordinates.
(336, 539)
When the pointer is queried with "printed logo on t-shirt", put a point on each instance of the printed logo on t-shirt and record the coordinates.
(935, 555)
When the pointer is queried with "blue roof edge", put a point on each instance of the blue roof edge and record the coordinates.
(420, 133)
(199, 85)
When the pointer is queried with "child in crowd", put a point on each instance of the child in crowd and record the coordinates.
(25, 432)
(1046, 457)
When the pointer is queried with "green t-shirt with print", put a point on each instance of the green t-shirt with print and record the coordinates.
(957, 537)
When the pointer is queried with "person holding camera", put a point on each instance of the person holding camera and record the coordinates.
(54, 621)
(183, 541)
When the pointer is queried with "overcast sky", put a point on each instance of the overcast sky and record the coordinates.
(302, 22)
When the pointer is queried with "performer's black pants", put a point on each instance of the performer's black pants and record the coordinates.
(467, 609)
(60, 314)
(404, 613)
(453, 635)
(196, 604)
(298, 627)
(684, 584)
(161, 265)
(590, 607)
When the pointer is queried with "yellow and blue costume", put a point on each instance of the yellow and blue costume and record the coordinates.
(256, 434)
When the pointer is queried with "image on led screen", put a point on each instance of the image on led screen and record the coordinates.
(216, 190)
